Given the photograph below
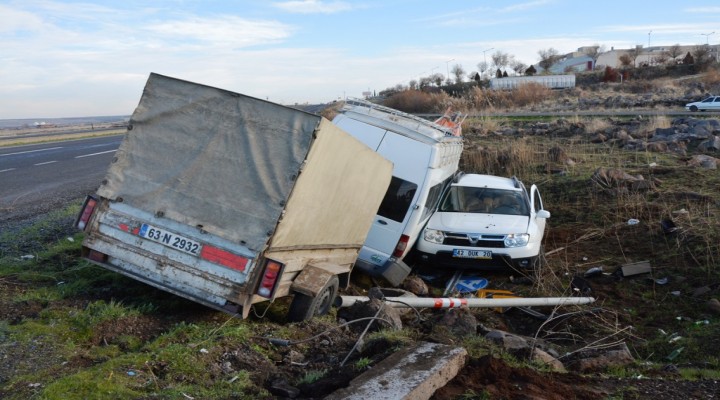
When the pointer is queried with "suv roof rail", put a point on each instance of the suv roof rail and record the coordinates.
(516, 182)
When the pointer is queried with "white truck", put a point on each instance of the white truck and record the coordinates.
(229, 200)
(425, 156)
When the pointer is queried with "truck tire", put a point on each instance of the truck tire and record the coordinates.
(304, 307)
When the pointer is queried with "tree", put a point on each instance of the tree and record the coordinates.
(660, 59)
(413, 84)
(498, 73)
(475, 76)
(548, 57)
(634, 54)
(482, 67)
(701, 54)
(459, 73)
(530, 71)
(594, 52)
(688, 60)
(504, 74)
(501, 60)
(518, 66)
(625, 60)
(674, 51)
(437, 78)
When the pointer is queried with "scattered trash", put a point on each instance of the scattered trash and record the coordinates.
(580, 286)
(662, 332)
(681, 211)
(204, 351)
(131, 373)
(633, 221)
(675, 353)
(34, 385)
(662, 281)
(468, 285)
(27, 257)
(668, 226)
(584, 258)
(675, 339)
(70, 239)
(637, 268)
(675, 293)
(61, 283)
(653, 165)
(703, 322)
(594, 271)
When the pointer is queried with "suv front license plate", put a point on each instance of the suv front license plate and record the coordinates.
(480, 254)
(170, 239)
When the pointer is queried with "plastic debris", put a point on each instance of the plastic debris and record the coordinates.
(204, 351)
(661, 281)
(637, 268)
(675, 339)
(70, 239)
(662, 332)
(675, 293)
(668, 226)
(703, 322)
(594, 271)
(131, 373)
(27, 257)
(675, 353)
(633, 221)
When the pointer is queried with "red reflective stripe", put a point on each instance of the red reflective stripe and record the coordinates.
(222, 257)
(438, 303)
(124, 227)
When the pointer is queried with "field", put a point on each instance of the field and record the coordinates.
(70, 330)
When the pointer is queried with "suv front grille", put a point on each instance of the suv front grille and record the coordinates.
(461, 239)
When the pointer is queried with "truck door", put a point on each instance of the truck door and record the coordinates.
(410, 166)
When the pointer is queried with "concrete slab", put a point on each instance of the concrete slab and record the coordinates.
(414, 373)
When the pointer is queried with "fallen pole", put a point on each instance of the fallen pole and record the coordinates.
(450, 302)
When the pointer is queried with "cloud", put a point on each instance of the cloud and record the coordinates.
(524, 6)
(221, 31)
(703, 10)
(314, 6)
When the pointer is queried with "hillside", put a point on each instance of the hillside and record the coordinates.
(621, 190)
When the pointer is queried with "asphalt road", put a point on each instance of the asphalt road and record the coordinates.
(36, 177)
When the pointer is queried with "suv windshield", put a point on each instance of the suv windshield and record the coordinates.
(484, 200)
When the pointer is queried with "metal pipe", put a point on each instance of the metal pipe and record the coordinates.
(450, 302)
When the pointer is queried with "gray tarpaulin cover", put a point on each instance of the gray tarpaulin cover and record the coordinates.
(212, 158)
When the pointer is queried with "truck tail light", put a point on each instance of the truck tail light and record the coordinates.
(270, 279)
(401, 246)
(86, 212)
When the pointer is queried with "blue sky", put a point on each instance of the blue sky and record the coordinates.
(63, 58)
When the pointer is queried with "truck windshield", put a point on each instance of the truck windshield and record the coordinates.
(484, 200)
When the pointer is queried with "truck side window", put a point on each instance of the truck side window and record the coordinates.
(433, 199)
(397, 199)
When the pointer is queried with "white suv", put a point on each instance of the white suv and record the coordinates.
(485, 221)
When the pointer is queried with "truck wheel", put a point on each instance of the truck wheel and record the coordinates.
(304, 307)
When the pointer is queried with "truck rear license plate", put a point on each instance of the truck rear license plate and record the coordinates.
(480, 254)
(170, 239)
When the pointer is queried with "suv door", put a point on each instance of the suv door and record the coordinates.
(535, 206)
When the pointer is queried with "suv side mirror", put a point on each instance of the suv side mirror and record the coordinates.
(543, 214)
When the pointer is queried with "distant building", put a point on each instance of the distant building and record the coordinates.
(651, 55)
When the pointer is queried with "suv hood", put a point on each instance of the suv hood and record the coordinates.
(494, 224)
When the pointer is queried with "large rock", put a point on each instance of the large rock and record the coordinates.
(389, 316)
(714, 306)
(594, 360)
(704, 161)
(712, 144)
(459, 321)
(544, 357)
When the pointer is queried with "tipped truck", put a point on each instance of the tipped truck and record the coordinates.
(228, 200)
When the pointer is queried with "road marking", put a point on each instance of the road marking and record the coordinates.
(6, 170)
(44, 163)
(97, 154)
(30, 151)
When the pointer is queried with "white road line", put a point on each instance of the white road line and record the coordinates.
(6, 170)
(30, 151)
(97, 154)
(44, 163)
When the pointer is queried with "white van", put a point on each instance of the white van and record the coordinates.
(425, 156)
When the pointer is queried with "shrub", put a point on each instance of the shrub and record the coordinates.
(412, 101)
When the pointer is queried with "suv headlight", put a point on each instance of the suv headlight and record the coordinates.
(434, 236)
(517, 240)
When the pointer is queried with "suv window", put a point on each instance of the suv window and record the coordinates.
(397, 199)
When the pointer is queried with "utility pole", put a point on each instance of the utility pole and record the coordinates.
(447, 68)
(484, 59)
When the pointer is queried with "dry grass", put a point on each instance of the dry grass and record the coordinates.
(59, 138)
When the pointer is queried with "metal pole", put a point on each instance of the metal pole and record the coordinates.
(484, 59)
(450, 302)
(447, 68)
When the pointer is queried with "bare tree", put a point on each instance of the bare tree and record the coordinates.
(548, 57)
(594, 52)
(437, 78)
(501, 60)
(674, 51)
(459, 73)
(701, 54)
(518, 66)
(482, 67)
(413, 84)
(634, 54)
(660, 59)
(625, 60)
